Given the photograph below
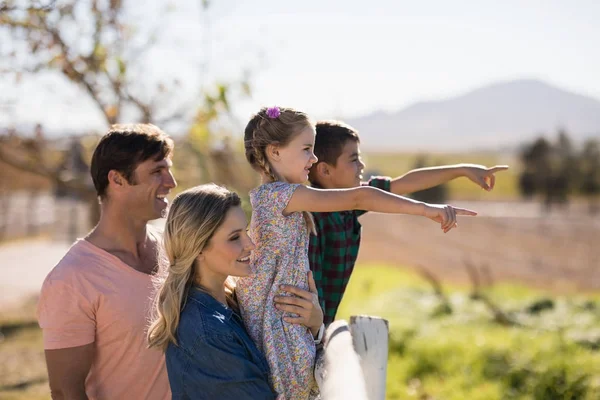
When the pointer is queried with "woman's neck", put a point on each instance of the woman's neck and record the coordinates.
(215, 287)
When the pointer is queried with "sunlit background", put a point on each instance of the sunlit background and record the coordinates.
(505, 307)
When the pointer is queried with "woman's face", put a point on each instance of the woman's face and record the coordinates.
(228, 251)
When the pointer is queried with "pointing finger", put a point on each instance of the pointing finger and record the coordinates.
(464, 211)
(498, 168)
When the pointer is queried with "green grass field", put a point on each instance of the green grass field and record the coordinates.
(436, 353)
(399, 163)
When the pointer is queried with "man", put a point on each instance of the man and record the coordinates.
(94, 305)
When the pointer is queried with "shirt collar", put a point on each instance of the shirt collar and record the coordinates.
(209, 302)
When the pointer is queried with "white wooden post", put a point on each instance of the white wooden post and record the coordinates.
(370, 337)
(340, 378)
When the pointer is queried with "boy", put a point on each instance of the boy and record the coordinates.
(333, 251)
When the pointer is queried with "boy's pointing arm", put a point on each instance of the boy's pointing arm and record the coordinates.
(425, 178)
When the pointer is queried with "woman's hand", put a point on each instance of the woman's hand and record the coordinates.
(304, 303)
(446, 215)
(482, 175)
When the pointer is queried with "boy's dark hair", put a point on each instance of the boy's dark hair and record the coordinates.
(123, 148)
(331, 138)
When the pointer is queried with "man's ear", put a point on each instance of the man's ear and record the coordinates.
(116, 178)
(272, 152)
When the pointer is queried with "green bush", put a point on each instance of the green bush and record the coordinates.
(549, 352)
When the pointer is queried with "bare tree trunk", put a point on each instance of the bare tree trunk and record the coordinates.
(5, 203)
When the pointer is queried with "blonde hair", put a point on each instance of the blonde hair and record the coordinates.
(262, 131)
(194, 217)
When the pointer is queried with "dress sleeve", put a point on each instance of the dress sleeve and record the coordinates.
(66, 316)
(273, 198)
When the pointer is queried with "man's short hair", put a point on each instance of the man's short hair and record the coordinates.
(123, 148)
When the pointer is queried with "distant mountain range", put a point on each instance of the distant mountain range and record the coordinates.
(502, 115)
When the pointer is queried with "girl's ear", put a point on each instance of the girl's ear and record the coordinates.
(273, 152)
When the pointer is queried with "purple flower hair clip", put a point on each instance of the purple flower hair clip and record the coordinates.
(273, 112)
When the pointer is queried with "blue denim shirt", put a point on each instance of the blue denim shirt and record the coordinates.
(214, 357)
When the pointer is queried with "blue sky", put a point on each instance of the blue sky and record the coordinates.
(347, 58)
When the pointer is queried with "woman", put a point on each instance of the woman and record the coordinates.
(208, 351)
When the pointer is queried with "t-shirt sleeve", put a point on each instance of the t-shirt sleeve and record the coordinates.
(274, 197)
(380, 182)
(66, 316)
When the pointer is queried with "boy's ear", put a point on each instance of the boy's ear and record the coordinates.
(323, 169)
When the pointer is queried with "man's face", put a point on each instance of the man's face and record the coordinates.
(347, 173)
(146, 197)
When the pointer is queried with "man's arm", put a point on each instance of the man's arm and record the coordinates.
(67, 370)
(425, 178)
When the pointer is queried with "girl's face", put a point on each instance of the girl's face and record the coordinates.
(228, 251)
(294, 160)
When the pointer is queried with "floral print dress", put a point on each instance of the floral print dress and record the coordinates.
(280, 257)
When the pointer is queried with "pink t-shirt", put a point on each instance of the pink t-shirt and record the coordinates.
(91, 296)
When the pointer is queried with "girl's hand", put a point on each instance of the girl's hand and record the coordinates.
(482, 175)
(304, 303)
(445, 215)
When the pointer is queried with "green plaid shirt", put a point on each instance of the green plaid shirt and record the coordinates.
(333, 252)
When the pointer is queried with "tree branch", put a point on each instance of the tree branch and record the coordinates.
(4, 8)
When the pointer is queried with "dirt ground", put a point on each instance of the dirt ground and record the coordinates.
(513, 241)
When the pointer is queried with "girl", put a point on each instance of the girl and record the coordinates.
(279, 145)
(209, 354)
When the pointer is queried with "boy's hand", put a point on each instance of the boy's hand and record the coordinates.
(445, 215)
(482, 175)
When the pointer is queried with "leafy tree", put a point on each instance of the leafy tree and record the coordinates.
(94, 46)
(557, 170)
(590, 165)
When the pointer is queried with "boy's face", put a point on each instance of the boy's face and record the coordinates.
(348, 170)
